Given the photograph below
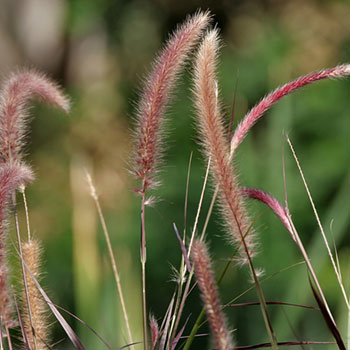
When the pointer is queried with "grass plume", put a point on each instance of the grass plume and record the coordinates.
(215, 147)
(156, 96)
(35, 321)
(210, 296)
(267, 102)
(15, 93)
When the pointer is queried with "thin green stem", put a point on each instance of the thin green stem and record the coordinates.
(182, 270)
(337, 273)
(25, 282)
(194, 230)
(111, 255)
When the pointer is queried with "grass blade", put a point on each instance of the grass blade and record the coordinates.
(67, 328)
(330, 323)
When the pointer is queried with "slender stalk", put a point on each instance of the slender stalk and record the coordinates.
(182, 270)
(320, 226)
(22, 190)
(194, 230)
(143, 269)
(8, 338)
(310, 268)
(111, 255)
(22, 266)
(26, 289)
(285, 218)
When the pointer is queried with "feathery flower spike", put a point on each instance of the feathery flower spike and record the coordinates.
(215, 147)
(15, 93)
(271, 202)
(154, 331)
(38, 306)
(209, 293)
(11, 177)
(267, 102)
(156, 96)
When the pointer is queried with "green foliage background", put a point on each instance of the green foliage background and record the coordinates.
(103, 48)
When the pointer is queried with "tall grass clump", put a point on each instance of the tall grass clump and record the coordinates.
(24, 319)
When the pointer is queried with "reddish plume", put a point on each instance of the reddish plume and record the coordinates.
(267, 102)
(17, 90)
(215, 146)
(271, 202)
(210, 296)
(156, 96)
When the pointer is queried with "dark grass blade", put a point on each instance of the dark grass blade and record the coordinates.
(183, 248)
(67, 328)
(89, 327)
(274, 303)
(286, 343)
(330, 323)
(178, 337)
(128, 345)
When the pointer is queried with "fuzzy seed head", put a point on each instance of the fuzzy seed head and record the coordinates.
(15, 93)
(210, 296)
(271, 202)
(38, 307)
(156, 96)
(215, 146)
(267, 102)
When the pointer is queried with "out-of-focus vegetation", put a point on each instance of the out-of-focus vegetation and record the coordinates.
(99, 50)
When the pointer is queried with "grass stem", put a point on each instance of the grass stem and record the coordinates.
(24, 275)
(143, 267)
(111, 255)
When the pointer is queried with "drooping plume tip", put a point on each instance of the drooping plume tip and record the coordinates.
(15, 94)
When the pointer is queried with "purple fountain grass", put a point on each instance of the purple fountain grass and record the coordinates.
(267, 102)
(156, 96)
(11, 177)
(15, 93)
(210, 296)
(216, 148)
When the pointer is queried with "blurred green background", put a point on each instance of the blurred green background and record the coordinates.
(99, 51)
